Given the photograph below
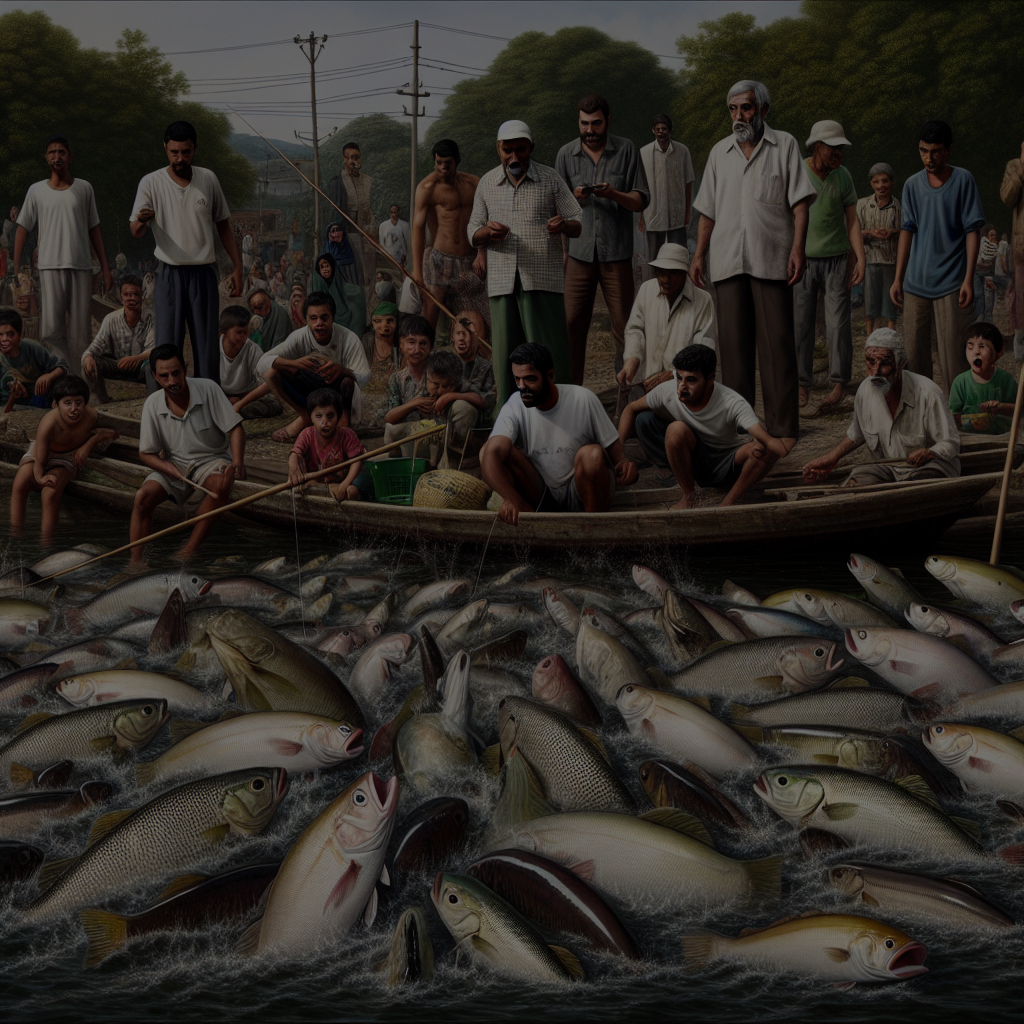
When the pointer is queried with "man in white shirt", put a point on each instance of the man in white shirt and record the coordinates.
(63, 208)
(707, 433)
(187, 208)
(393, 234)
(240, 356)
(669, 171)
(570, 459)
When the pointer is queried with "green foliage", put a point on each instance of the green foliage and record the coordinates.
(881, 69)
(112, 106)
(254, 149)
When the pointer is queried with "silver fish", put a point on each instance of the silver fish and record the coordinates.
(432, 594)
(885, 588)
(605, 664)
(377, 664)
(88, 690)
(983, 760)
(563, 612)
(143, 595)
(990, 587)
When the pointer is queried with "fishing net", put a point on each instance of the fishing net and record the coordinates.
(446, 488)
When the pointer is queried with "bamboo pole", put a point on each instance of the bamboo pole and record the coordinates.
(1004, 490)
(247, 500)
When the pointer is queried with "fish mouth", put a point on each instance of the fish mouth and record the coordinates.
(850, 645)
(908, 962)
(829, 664)
(385, 793)
(761, 784)
(282, 783)
(205, 587)
(353, 747)
(435, 892)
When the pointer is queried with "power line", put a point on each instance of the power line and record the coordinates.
(466, 32)
(279, 42)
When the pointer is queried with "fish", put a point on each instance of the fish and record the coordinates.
(18, 862)
(140, 595)
(604, 664)
(1008, 660)
(133, 684)
(554, 684)
(434, 594)
(269, 673)
(360, 586)
(411, 956)
(650, 582)
(21, 621)
(278, 566)
(96, 655)
(62, 561)
(885, 588)
(735, 594)
(967, 633)
(551, 896)
(431, 835)
(272, 739)
(758, 622)
(514, 575)
(1005, 702)
(918, 664)
(945, 902)
(504, 610)
(328, 880)
(16, 687)
(983, 760)
(258, 595)
(563, 612)
(382, 610)
(722, 625)
(827, 607)
(463, 624)
(767, 667)
(23, 815)
(691, 790)
(171, 834)
(688, 632)
(989, 587)
(648, 858)
(496, 935)
(839, 704)
(169, 632)
(119, 728)
(837, 948)
(342, 640)
(679, 728)
(377, 664)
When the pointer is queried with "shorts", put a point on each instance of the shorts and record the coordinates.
(182, 494)
(55, 460)
(569, 500)
(710, 468)
(878, 279)
(440, 270)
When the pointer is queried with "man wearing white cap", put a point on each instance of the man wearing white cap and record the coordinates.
(833, 228)
(668, 314)
(519, 211)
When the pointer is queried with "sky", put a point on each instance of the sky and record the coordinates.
(367, 55)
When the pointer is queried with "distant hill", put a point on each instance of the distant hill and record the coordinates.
(256, 150)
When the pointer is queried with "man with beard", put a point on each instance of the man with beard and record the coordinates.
(753, 200)
(899, 415)
(444, 204)
(356, 204)
(606, 176)
(185, 205)
(569, 457)
(191, 438)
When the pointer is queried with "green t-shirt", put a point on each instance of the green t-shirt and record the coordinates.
(826, 223)
(966, 396)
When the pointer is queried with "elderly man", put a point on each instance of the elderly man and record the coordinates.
(519, 211)
(753, 201)
(832, 230)
(276, 325)
(607, 178)
(899, 415)
(1011, 191)
(669, 172)
(668, 314)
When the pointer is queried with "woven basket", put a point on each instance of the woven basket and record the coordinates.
(445, 488)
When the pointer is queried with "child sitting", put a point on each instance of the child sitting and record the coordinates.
(250, 397)
(477, 384)
(407, 398)
(64, 440)
(327, 443)
(982, 398)
(445, 375)
(27, 369)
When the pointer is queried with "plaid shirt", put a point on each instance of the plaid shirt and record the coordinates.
(872, 217)
(478, 376)
(402, 388)
(115, 339)
(526, 209)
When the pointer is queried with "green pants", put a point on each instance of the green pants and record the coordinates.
(527, 316)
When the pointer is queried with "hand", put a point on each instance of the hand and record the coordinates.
(858, 274)
(627, 373)
(18, 390)
(305, 363)
(603, 190)
(556, 225)
(423, 404)
(496, 231)
(655, 379)
(81, 454)
(145, 215)
(296, 477)
(235, 288)
(330, 372)
(480, 264)
(990, 406)
(236, 403)
(443, 401)
(43, 383)
(818, 469)
(697, 270)
(797, 265)
(967, 295)
(108, 280)
(239, 469)
(509, 511)
(50, 480)
(896, 293)
(89, 365)
(581, 197)
(129, 362)
(920, 456)
(626, 473)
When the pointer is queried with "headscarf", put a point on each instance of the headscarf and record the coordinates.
(298, 317)
(348, 298)
(385, 309)
(340, 251)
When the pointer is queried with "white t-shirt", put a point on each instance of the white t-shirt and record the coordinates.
(552, 438)
(239, 376)
(717, 423)
(184, 223)
(345, 348)
(65, 217)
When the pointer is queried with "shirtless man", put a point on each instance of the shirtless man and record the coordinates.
(444, 202)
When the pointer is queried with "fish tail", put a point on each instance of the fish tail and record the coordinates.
(1013, 854)
(765, 877)
(699, 949)
(145, 772)
(106, 933)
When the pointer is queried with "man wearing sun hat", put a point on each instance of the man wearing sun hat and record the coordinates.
(833, 229)
(668, 314)
(520, 210)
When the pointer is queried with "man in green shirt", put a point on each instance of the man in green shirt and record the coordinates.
(832, 231)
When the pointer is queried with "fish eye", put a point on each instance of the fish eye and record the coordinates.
(629, 689)
(257, 785)
(819, 652)
(645, 774)
(345, 730)
(890, 943)
(147, 710)
(452, 898)
(938, 730)
(925, 608)
(360, 798)
(195, 579)
(783, 780)
(862, 633)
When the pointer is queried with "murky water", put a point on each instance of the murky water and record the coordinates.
(973, 976)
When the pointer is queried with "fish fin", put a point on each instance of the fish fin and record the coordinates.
(681, 822)
(849, 683)
(844, 986)
(106, 823)
(52, 870)
(483, 947)
(568, 961)
(897, 572)
(698, 950)
(765, 876)
(34, 719)
(145, 772)
(1017, 734)
(286, 748)
(659, 679)
(972, 828)
(1011, 810)
(129, 662)
(217, 834)
(770, 680)
(180, 884)
(825, 759)
(717, 646)
(249, 941)
(584, 869)
(916, 785)
(21, 776)
(981, 764)
(738, 712)
(648, 728)
(522, 796)
(225, 691)
(256, 700)
(102, 742)
(370, 913)
(491, 759)
(837, 955)
(704, 703)
(385, 875)
(928, 693)
(867, 898)
(106, 934)
(345, 884)
(840, 811)
(905, 668)
(595, 741)
(182, 728)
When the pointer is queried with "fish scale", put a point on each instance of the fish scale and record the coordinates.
(854, 706)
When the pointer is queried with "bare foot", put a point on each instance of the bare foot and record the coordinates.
(352, 493)
(682, 504)
(137, 566)
(283, 436)
(832, 399)
(805, 396)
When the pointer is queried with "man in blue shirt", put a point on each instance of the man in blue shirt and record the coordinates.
(938, 247)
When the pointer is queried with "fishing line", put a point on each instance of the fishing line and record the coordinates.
(494, 522)
(298, 564)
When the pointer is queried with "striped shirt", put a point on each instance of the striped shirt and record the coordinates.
(874, 217)
(115, 339)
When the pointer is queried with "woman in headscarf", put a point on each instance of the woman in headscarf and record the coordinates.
(382, 355)
(348, 296)
(295, 306)
(336, 245)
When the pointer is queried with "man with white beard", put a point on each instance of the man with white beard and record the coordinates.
(753, 205)
(899, 415)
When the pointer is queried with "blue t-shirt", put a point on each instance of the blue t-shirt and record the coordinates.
(940, 218)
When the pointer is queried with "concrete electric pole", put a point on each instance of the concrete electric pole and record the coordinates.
(315, 48)
(416, 114)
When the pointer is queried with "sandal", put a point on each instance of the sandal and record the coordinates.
(281, 436)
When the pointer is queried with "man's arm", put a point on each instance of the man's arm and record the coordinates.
(704, 229)
(818, 469)
(797, 259)
(236, 442)
(96, 237)
(258, 392)
(624, 470)
(768, 441)
(227, 239)
(902, 259)
(853, 232)
(627, 419)
(20, 238)
(421, 403)
(635, 343)
(153, 461)
(419, 224)
(973, 241)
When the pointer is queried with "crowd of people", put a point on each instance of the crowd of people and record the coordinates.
(514, 258)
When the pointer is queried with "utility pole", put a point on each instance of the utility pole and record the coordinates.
(416, 113)
(315, 48)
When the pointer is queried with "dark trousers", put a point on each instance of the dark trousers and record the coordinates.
(755, 331)
(581, 281)
(650, 432)
(188, 296)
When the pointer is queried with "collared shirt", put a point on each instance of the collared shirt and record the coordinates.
(607, 227)
(826, 220)
(922, 420)
(115, 339)
(403, 387)
(874, 217)
(751, 202)
(655, 332)
(345, 348)
(668, 173)
(528, 249)
(478, 376)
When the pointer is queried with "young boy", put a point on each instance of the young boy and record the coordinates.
(64, 440)
(477, 384)
(26, 362)
(981, 398)
(385, 323)
(879, 216)
(239, 378)
(407, 398)
(327, 443)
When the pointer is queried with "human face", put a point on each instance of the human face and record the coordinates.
(14, 213)
(260, 304)
(670, 281)
(830, 156)
(325, 421)
(320, 320)
(131, 297)
(10, 340)
(934, 156)
(464, 341)
(234, 339)
(747, 120)
(393, 214)
(534, 387)
(437, 386)
(336, 233)
(661, 133)
(353, 161)
(446, 168)
(415, 348)
(325, 270)
(982, 356)
(992, 236)
(180, 156)
(170, 375)
(593, 129)
(70, 409)
(882, 187)
(384, 327)
(691, 386)
(880, 364)
(57, 156)
(515, 156)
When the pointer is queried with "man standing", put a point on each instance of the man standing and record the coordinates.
(520, 210)
(64, 210)
(444, 203)
(1011, 191)
(938, 247)
(754, 199)
(832, 230)
(607, 178)
(356, 203)
(120, 350)
(669, 172)
(185, 204)
(393, 234)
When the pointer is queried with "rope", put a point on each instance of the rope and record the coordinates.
(479, 571)
(298, 565)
